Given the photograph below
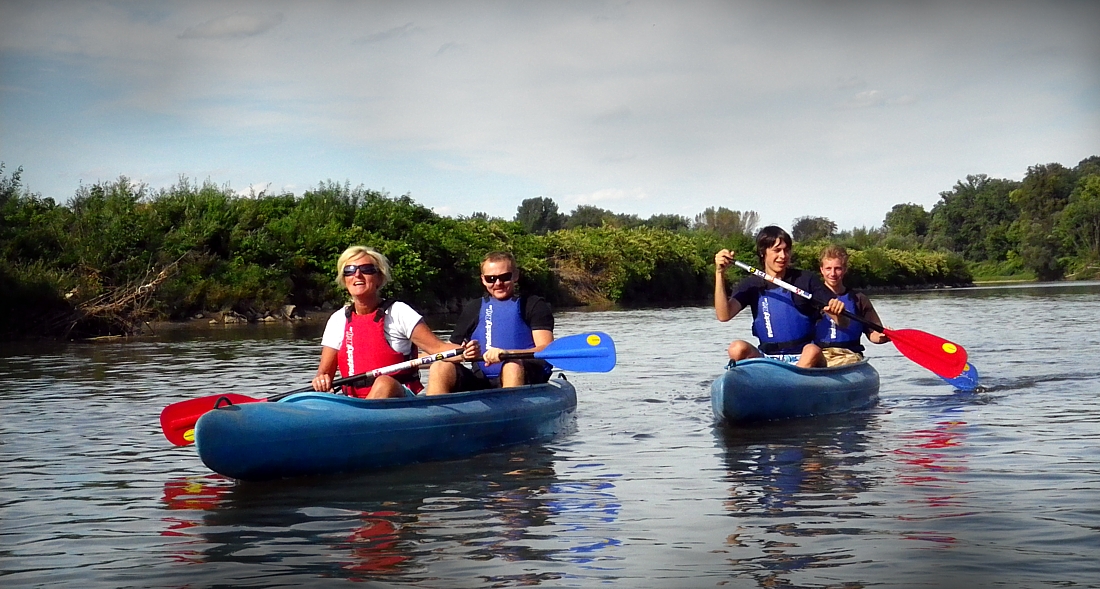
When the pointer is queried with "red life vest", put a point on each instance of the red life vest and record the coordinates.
(365, 348)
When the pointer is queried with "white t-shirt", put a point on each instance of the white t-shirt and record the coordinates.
(398, 326)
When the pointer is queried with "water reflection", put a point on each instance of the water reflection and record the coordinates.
(795, 480)
(930, 461)
(393, 525)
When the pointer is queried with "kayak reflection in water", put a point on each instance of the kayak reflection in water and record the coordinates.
(783, 323)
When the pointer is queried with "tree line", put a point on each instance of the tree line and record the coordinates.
(119, 253)
(1046, 226)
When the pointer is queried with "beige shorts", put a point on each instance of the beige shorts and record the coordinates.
(841, 356)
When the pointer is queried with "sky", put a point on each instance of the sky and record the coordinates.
(839, 109)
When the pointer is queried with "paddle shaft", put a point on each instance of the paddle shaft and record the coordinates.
(373, 374)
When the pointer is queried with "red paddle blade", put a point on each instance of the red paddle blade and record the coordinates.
(946, 359)
(178, 419)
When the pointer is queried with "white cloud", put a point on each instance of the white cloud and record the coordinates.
(641, 107)
(234, 26)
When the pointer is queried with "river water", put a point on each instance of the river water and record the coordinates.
(932, 488)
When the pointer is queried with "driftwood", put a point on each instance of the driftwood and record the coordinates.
(118, 311)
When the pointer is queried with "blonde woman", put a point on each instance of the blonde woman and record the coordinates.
(372, 332)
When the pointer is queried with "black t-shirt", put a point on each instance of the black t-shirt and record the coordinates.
(535, 312)
(751, 288)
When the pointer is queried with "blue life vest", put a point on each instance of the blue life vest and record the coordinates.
(779, 325)
(500, 325)
(830, 335)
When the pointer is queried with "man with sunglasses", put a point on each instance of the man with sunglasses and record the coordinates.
(500, 322)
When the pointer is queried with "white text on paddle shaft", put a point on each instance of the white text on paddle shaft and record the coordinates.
(489, 326)
(767, 315)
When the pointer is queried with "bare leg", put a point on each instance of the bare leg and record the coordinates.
(386, 387)
(511, 375)
(812, 357)
(743, 350)
(442, 377)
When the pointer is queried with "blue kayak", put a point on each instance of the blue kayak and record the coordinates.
(323, 433)
(762, 389)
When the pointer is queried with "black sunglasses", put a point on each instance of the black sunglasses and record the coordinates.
(506, 277)
(366, 269)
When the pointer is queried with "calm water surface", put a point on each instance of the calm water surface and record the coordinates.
(932, 488)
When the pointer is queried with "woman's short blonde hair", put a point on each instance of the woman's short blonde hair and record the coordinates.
(356, 251)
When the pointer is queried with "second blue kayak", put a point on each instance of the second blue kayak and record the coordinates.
(762, 389)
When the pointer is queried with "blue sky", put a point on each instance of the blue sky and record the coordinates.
(839, 109)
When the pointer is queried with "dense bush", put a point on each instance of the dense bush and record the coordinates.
(888, 267)
(222, 252)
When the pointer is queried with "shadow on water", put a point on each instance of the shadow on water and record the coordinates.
(785, 475)
(392, 525)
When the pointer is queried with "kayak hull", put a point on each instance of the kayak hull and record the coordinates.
(324, 433)
(762, 389)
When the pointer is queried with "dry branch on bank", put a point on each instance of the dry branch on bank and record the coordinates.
(118, 311)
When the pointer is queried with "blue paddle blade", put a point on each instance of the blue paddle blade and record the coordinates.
(584, 352)
(967, 381)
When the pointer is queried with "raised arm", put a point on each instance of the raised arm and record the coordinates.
(724, 308)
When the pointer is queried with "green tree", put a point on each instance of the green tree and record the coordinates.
(1044, 191)
(974, 218)
(860, 237)
(812, 228)
(589, 216)
(675, 223)
(1043, 194)
(907, 220)
(539, 215)
(1089, 166)
(113, 234)
(1078, 224)
(725, 223)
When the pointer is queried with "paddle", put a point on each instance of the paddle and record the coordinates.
(967, 381)
(178, 419)
(586, 352)
(945, 358)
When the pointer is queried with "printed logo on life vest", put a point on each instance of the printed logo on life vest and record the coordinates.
(950, 348)
(767, 315)
(488, 326)
(593, 340)
(348, 338)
